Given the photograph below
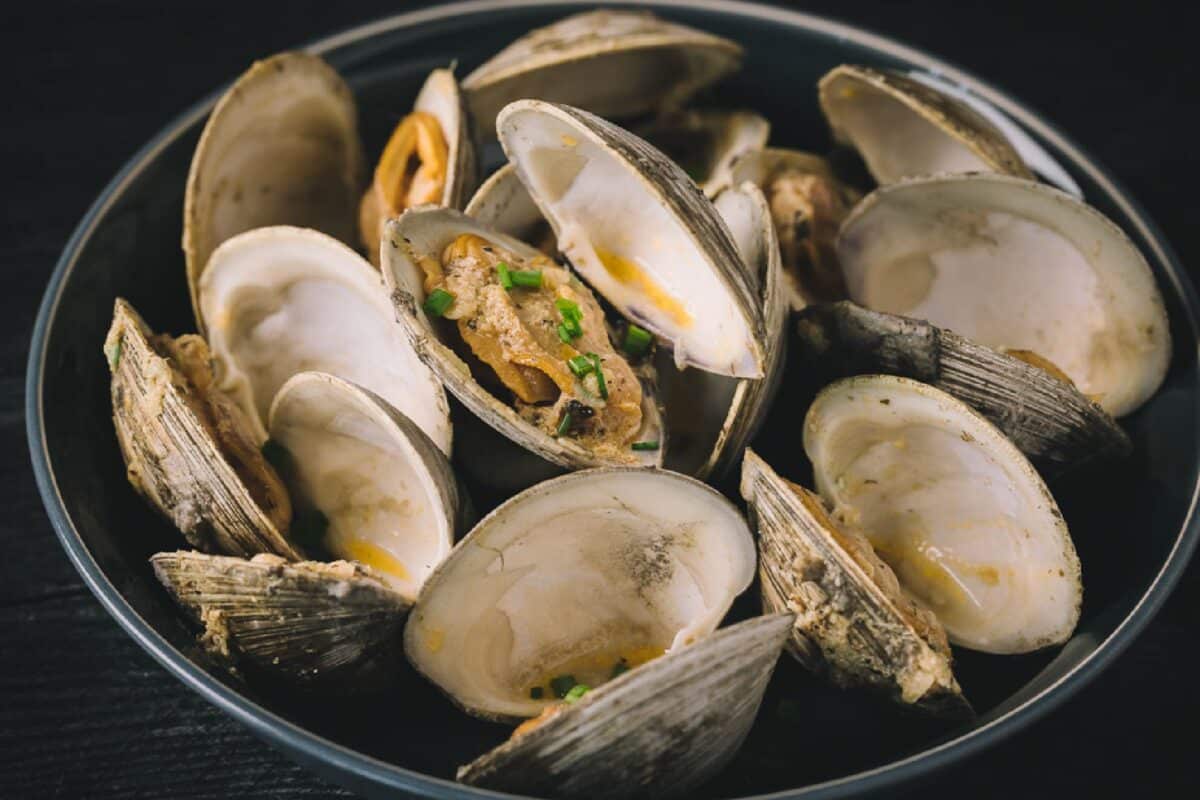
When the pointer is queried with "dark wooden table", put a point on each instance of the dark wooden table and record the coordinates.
(84, 712)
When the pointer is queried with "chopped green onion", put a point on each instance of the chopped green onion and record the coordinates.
(573, 327)
(113, 354)
(562, 684)
(577, 691)
(506, 280)
(637, 340)
(528, 278)
(308, 527)
(536, 693)
(564, 425)
(275, 453)
(620, 668)
(602, 387)
(564, 334)
(438, 301)
(648, 445)
(568, 308)
(580, 365)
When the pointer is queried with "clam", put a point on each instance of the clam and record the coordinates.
(808, 204)
(573, 581)
(430, 158)
(659, 730)
(641, 233)
(706, 143)
(646, 63)
(189, 450)
(1044, 415)
(312, 623)
(280, 148)
(902, 127)
(854, 625)
(952, 506)
(1014, 264)
(503, 203)
(282, 300)
(368, 485)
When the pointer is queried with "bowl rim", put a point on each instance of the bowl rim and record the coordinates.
(369, 771)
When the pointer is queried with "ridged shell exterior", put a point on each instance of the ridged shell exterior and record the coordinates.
(647, 64)
(846, 628)
(1048, 419)
(657, 731)
(312, 623)
(442, 97)
(174, 460)
(306, 168)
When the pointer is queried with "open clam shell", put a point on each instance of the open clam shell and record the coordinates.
(188, 450)
(1011, 263)
(1055, 425)
(424, 234)
(707, 142)
(312, 623)
(280, 148)
(659, 730)
(640, 232)
(952, 506)
(502, 203)
(902, 127)
(373, 487)
(647, 64)
(283, 300)
(853, 623)
(573, 578)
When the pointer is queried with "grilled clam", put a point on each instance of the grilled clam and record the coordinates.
(282, 300)
(367, 484)
(315, 624)
(953, 508)
(281, 148)
(706, 143)
(574, 580)
(659, 730)
(854, 625)
(430, 158)
(189, 450)
(647, 65)
(1014, 264)
(902, 127)
(1044, 415)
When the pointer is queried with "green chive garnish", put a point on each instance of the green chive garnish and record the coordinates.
(620, 668)
(535, 693)
(437, 302)
(648, 445)
(564, 425)
(580, 365)
(568, 308)
(528, 278)
(637, 340)
(564, 334)
(113, 354)
(506, 280)
(577, 691)
(308, 527)
(601, 386)
(562, 684)
(275, 453)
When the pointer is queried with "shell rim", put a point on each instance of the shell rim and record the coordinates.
(310, 748)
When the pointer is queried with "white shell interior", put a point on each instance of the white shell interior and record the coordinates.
(283, 300)
(352, 461)
(582, 567)
(597, 203)
(1013, 263)
(952, 506)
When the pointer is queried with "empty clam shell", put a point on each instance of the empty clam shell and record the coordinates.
(374, 488)
(188, 450)
(640, 232)
(903, 127)
(952, 506)
(647, 64)
(707, 142)
(575, 578)
(1055, 425)
(657, 731)
(280, 148)
(312, 623)
(1014, 264)
(853, 623)
(502, 203)
(283, 300)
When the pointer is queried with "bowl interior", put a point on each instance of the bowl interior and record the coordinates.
(1125, 519)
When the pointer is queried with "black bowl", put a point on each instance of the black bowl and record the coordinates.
(1132, 523)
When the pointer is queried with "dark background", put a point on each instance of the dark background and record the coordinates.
(84, 712)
